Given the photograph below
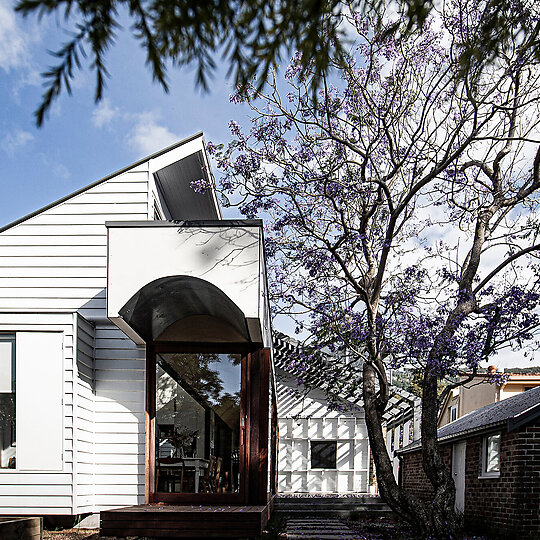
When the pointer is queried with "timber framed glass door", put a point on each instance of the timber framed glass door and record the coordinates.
(199, 422)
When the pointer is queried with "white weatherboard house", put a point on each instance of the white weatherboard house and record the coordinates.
(323, 449)
(105, 297)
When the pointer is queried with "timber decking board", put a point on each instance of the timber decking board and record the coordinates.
(209, 521)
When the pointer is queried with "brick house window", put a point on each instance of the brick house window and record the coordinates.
(323, 454)
(453, 413)
(491, 449)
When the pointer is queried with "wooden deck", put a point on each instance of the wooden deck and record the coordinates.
(186, 521)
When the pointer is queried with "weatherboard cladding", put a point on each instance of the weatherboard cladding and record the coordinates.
(53, 264)
(129, 168)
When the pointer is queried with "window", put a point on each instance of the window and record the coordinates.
(198, 436)
(323, 454)
(491, 447)
(453, 413)
(7, 401)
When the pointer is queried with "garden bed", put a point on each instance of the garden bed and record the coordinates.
(21, 528)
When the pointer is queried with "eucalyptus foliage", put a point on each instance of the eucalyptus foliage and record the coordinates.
(403, 214)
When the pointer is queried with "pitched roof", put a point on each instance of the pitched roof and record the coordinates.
(511, 412)
(187, 163)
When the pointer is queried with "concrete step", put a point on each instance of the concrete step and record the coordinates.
(322, 497)
(330, 505)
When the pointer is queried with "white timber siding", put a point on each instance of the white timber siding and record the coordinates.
(307, 418)
(84, 417)
(53, 272)
(57, 260)
(119, 419)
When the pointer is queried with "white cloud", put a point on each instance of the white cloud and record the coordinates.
(58, 169)
(61, 171)
(148, 136)
(14, 50)
(15, 140)
(104, 114)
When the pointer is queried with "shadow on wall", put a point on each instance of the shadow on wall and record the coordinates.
(111, 373)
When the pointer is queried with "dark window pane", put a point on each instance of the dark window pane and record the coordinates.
(7, 401)
(198, 423)
(323, 454)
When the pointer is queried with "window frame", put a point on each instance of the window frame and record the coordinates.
(451, 409)
(484, 473)
(12, 338)
(322, 441)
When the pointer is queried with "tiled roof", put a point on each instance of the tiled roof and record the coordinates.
(513, 412)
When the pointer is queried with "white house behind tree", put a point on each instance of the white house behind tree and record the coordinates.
(324, 446)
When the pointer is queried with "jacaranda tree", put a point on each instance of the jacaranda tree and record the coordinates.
(402, 211)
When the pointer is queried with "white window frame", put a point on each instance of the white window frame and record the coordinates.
(484, 455)
(451, 410)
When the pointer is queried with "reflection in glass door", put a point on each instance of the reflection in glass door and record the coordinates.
(198, 438)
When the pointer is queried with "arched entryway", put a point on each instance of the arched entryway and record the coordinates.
(207, 395)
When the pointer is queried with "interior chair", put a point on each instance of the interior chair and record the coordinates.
(205, 480)
(170, 475)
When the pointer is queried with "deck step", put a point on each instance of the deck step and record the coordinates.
(321, 529)
(327, 506)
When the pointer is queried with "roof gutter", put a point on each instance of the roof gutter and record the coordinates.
(460, 435)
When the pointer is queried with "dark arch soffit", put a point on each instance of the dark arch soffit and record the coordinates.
(164, 301)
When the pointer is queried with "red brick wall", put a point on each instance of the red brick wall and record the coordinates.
(414, 478)
(508, 506)
(490, 503)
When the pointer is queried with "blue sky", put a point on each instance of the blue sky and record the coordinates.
(81, 142)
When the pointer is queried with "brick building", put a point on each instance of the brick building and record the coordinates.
(494, 455)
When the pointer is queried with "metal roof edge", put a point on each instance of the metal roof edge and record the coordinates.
(524, 417)
(101, 180)
(188, 223)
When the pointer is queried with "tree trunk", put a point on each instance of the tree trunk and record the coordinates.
(435, 519)
(444, 515)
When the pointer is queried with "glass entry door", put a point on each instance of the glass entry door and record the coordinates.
(198, 412)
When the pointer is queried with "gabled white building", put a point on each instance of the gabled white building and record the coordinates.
(324, 447)
(85, 284)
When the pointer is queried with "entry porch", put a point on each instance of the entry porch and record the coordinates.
(194, 294)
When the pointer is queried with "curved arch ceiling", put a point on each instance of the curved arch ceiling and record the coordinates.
(184, 308)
